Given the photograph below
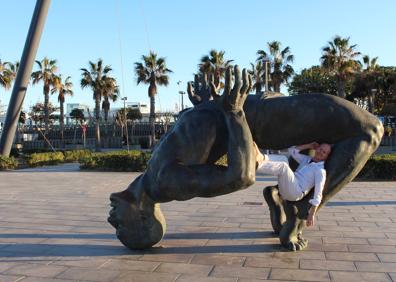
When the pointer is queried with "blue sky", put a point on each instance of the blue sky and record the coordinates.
(184, 30)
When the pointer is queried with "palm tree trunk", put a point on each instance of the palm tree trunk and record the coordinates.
(341, 88)
(258, 88)
(152, 118)
(46, 112)
(106, 118)
(97, 126)
(61, 120)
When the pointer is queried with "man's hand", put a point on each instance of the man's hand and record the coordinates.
(259, 156)
(233, 99)
(313, 145)
(311, 216)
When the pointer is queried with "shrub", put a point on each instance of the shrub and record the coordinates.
(381, 167)
(39, 159)
(7, 163)
(76, 155)
(117, 161)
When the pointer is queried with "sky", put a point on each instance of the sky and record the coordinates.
(182, 31)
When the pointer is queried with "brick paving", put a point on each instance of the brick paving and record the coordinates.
(53, 228)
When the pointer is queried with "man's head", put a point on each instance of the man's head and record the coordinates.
(322, 152)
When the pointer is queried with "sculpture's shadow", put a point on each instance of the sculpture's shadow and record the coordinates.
(103, 245)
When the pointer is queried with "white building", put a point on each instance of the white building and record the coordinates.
(71, 106)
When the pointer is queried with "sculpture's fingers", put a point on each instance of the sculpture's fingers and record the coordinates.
(190, 89)
(227, 82)
(204, 80)
(196, 83)
(238, 82)
(245, 82)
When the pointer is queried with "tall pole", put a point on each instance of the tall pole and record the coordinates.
(22, 79)
(126, 123)
(182, 102)
(266, 74)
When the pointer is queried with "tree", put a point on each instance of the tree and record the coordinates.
(78, 115)
(63, 88)
(96, 78)
(313, 80)
(5, 75)
(258, 73)
(46, 73)
(381, 82)
(38, 115)
(131, 114)
(280, 68)
(110, 92)
(340, 59)
(152, 71)
(214, 64)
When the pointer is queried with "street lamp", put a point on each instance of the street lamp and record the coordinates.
(182, 103)
(126, 122)
(266, 62)
(371, 100)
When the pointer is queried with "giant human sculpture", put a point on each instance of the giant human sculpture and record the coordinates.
(183, 164)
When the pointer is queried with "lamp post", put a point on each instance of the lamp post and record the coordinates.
(126, 122)
(182, 103)
(371, 100)
(266, 62)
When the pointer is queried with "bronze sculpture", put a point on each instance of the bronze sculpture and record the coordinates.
(183, 164)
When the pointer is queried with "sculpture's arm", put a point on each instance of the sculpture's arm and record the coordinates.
(178, 181)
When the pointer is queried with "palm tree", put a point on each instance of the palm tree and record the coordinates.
(339, 59)
(280, 68)
(215, 65)
(370, 64)
(5, 75)
(63, 88)
(95, 78)
(257, 72)
(46, 73)
(110, 92)
(152, 71)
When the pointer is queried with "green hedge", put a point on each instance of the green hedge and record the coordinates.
(77, 155)
(117, 161)
(382, 167)
(39, 159)
(8, 163)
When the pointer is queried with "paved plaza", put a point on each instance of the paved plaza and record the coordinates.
(54, 228)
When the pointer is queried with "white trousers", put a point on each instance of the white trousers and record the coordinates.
(288, 185)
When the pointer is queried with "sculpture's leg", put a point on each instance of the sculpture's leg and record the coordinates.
(275, 204)
(346, 160)
(138, 220)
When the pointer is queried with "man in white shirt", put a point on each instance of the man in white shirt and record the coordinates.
(293, 186)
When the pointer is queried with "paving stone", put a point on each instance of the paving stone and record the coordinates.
(343, 276)
(190, 278)
(272, 262)
(242, 272)
(376, 266)
(76, 273)
(33, 269)
(194, 269)
(296, 274)
(327, 265)
(135, 276)
(130, 265)
(10, 278)
(211, 259)
(351, 256)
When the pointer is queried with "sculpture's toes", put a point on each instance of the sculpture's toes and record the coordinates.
(139, 225)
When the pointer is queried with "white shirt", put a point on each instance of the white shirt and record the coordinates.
(309, 174)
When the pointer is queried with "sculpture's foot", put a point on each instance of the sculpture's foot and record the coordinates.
(291, 233)
(139, 221)
(296, 244)
(274, 202)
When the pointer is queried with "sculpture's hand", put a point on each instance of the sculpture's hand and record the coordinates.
(204, 89)
(233, 99)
